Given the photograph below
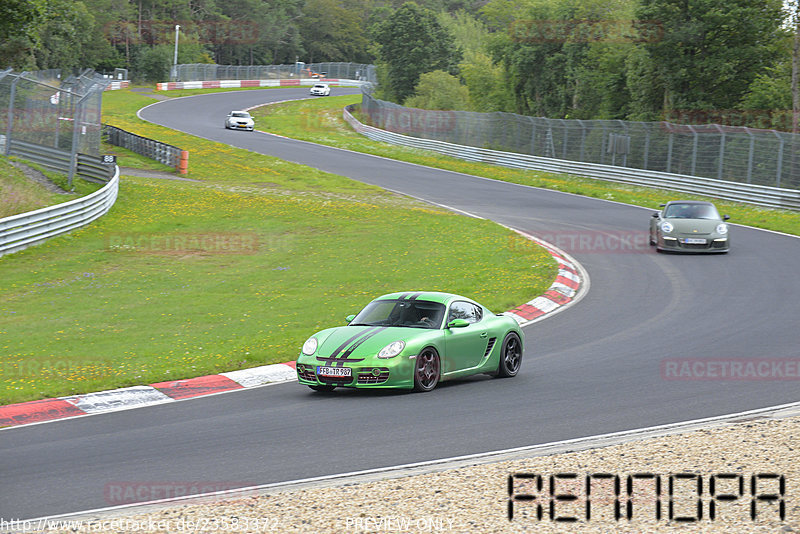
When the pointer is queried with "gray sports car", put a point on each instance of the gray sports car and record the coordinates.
(689, 226)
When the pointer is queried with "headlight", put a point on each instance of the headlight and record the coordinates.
(722, 228)
(392, 349)
(310, 346)
(666, 227)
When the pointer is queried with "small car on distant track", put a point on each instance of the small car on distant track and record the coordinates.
(320, 89)
(689, 226)
(412, 340)
(239, 120)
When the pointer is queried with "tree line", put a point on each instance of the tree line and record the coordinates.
(726, 61)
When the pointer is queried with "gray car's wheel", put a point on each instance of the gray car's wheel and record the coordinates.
(510, 356)
(426, 370)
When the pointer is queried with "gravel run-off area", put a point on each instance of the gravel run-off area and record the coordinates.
(475, 498)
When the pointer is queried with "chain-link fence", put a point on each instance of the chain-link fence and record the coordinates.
(42, 108)
(203, 72)
(738, 154)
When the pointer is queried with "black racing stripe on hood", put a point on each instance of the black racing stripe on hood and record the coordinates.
(366, 333)
(358, 343)
(410, 296)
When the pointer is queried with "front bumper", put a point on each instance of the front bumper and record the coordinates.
(678, 243)
(397, 372)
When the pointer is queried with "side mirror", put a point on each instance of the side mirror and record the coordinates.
(655, 215)
(725, 217)
(662, 205)
(349, 318)
(458, 323)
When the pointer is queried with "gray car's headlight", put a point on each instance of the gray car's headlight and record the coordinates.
(392, 349)
(310, 346)
(722, 228)
(666, 227)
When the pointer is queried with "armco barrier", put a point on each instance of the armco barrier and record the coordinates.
(20, 231)
(760, 195)
(90, 168)
(233, 84)
(169, 155)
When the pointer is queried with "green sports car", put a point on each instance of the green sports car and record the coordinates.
(689, 226)
(412, 341)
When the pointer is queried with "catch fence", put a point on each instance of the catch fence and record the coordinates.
(48, 113)
(208, 72)
(728, 153)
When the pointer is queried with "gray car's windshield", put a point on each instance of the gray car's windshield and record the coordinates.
(408, 313)
(691, 211)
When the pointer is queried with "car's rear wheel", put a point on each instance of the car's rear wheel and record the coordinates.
(510, 356)
(325, 388)
(426, 371)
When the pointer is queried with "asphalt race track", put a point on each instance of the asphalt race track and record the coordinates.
(593, 369)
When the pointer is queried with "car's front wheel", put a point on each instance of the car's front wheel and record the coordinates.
(324, 388)
(426, 371)
(510, 356)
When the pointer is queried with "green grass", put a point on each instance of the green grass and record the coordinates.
(320, 121)
(183, 279)
(20, 194)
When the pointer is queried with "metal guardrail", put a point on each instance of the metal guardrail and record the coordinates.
(760, 195)
(169, 155)
(90, 168)
(21, 231)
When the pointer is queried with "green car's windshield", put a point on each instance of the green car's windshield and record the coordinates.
(408, 313)
(691, 211)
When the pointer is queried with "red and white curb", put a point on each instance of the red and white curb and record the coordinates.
(137, 396)
(570, 284)
(233, 84)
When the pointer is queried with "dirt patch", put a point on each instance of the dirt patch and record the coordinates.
(39, 177)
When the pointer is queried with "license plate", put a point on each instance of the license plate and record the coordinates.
(334, 371)
(694, 241)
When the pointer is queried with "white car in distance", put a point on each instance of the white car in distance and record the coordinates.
(239, 120)
(320, 89)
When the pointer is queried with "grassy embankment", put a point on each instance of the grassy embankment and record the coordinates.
(182, 279)
(319, 120)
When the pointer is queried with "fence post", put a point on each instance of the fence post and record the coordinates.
(669, 150)
(694, 149)
(721, 150)
(750, 156)
(11, 112)
(779, 163)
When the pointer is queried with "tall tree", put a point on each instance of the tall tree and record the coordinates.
(411, 41)
(711, 50)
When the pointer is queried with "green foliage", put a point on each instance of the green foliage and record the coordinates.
(711, 50)
(439, 90)
(487, 84)
(411, 41)
(334, 31)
